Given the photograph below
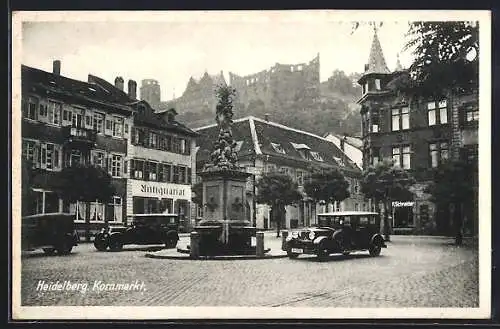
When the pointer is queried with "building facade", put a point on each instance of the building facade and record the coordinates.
(67, 123)
(264, 146)
(417, 134)
(280, 86)
(162, 165)
(149, 156)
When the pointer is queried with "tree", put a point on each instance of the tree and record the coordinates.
(446, 57)
(384, 182)
(278, 191)
(455, 183)
(86, 184)
(327, 186)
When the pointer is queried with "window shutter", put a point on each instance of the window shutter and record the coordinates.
(189, 175)
(125, 130)
(43, 156)
(125, 166)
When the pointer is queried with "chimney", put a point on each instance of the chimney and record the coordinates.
(56, 67)
(132, 89)
(342, 143)
(266, 117)
(119, 83)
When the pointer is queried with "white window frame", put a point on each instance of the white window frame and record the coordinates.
(69, 118)
(27, 154)
(32, 104)
(116, 169)
(118, 126)
(55, 164)
(443, 111)
(97, 153)
(96, 124)
(54, 112)
(116, 204)
(377, 84)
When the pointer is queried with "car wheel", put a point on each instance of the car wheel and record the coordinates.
(291, 255)
(375, 250)
(115, 245)
(171, 242)
(64, 248)
(49, 251)
(323, 253)
(100, 245)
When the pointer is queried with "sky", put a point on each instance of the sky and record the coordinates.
(173, 50)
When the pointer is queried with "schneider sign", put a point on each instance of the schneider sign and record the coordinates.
(160, 190)
(402, 204)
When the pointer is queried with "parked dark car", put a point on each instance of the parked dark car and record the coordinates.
(338, 232)
(145, 229)
(53, 232)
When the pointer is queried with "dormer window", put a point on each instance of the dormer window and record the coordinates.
(340, 161)
(316, 156)
(278, 148)
(239, 144)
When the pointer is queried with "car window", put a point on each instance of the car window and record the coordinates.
(363, 220)
(324, 220)
(347, 220)
(373, 220)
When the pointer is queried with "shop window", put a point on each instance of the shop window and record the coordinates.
(403, 217)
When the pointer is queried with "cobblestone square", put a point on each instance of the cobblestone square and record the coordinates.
(411, 272)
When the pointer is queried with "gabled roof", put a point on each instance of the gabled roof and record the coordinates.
(89, 93)
(259, 135)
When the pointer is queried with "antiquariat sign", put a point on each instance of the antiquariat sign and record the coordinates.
(160, 190)
(396, 204)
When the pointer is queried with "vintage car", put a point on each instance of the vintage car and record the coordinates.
(145, 229)
(338, 232)
(52, 232)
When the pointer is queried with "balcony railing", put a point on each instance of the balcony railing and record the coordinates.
(80, 135)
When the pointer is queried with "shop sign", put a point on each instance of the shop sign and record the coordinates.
(396, 204)
(161, 190)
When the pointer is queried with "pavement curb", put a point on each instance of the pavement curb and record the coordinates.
(240, 257)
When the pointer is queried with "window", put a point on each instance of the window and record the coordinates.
(300, 177)
(153, 140)
(75, 158)
(400, 118)
(375, 155)
(284, 170)
(54, 113)
(67, 116)
(167, 172)
(366, 87)
(99, 122)
(51, 202)
(89, 119)
(182, 175)
(183, 146)
(114, 210)
(30, 107)
(42, 110)
(437, 112)
(316, 156)
(278, 148)
(168, 143)
(438, 153)
(271, 168)
(98, 159)
(152, 168)
(29, 150)
(175, 178)
(116, 165)
(356, 208)
(471, 114)
(374, 122)
(401, 155)
(109, 126)
(377, 84)
(137, 168)
(117, 127)
(49, 156)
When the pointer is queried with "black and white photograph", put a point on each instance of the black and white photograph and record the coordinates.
(294, 164)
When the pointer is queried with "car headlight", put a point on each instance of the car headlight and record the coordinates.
(312, 235)
(295, 234)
